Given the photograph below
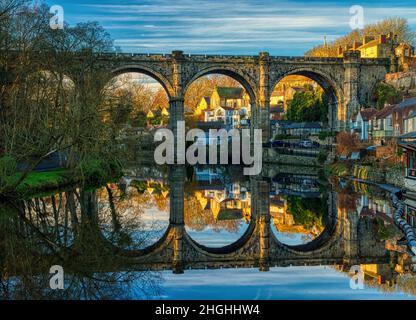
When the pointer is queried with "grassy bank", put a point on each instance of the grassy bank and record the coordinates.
(37, 182)
(90, 173)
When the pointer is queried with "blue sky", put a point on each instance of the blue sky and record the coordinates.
(227, 26)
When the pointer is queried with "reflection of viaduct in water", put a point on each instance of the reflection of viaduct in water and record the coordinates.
(344, 241)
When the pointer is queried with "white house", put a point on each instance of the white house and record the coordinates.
(361, 124)
(229, 116)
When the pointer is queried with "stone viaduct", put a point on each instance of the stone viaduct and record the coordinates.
(349, 82)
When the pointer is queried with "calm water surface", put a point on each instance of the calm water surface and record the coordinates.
(205, 233)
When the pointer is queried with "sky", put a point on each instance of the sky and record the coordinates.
(285, 28)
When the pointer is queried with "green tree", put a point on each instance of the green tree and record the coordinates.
(387, 94)
(308, 106)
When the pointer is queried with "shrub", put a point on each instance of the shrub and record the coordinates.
(8, 166)
(339, 169)
(325, 134)
(322, 156)
(347, 142)
(99, 171)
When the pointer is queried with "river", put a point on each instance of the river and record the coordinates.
(206, 233)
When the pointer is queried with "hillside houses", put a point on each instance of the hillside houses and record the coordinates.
(384, 46)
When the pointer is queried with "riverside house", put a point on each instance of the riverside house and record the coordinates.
(401, 112)
(361, 123)
(381, 125)
(408, 142)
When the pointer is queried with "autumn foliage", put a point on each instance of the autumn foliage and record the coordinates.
(347, 142)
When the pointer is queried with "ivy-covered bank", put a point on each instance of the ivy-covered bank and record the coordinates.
(392, 175)
(90, 172)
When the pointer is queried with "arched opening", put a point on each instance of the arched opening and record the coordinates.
(304, 103)
(136, 104)
(217, 99)
(134, 213)
(137, 100)
(217, 206)
(299, 211)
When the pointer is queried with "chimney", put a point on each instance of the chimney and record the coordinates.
(356, 45)
(382, 38)
(340, 50)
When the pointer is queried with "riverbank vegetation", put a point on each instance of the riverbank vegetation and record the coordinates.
(53, 104)
(90, 172)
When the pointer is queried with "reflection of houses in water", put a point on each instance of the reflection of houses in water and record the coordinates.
(376, 274)
(226, 202)
(372, 207)
(381, 273)
(385, 276)
(208, 173)
(296, 185)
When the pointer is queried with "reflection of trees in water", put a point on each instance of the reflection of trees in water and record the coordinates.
(64, 229)
(198, 219)
(310, 214)
(122, 216)
(347, 199)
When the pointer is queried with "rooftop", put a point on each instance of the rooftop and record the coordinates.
(366, 114)
(277, 109)
(410, 102)
(411, 115)
(230, 92)
(385, 112)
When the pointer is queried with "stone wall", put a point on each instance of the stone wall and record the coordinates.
(393, 176)
(271, 170)
(405, 81)
(294, 160)
(396, 177)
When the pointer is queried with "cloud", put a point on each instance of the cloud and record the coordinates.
(225, 26)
